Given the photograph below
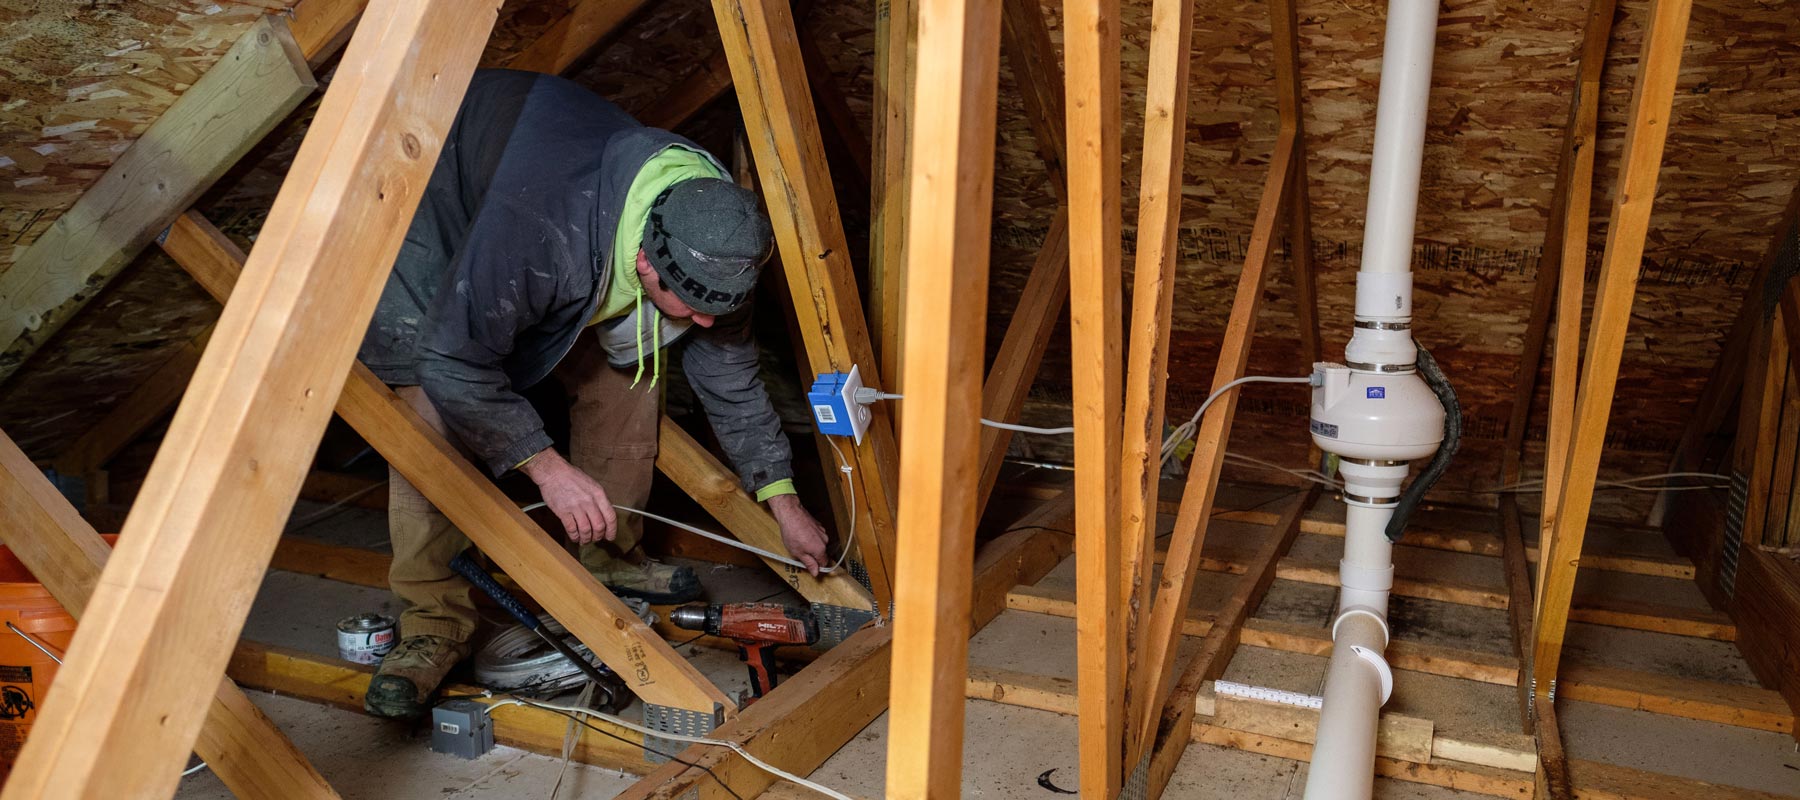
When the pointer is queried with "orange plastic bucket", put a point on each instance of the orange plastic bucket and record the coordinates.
(25, 671)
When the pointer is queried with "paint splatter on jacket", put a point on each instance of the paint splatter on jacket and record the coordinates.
(507, 259)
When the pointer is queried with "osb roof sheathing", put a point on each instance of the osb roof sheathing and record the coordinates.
(1499, 100)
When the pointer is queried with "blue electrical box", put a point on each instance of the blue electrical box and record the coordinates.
(834, 406)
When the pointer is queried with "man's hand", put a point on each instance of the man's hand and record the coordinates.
(804, 536)
(577, 500)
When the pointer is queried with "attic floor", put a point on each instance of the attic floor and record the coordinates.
(1008, 747)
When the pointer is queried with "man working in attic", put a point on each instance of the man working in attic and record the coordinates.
(560, 238)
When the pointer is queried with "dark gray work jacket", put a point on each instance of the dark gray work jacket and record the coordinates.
(508, 257)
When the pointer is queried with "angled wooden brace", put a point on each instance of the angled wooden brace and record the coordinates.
(1569, 216)
(1646, 132)
(1565, 244)
(239, 744)
(1026, 42)
(713, 486)
(770, 78)
(655, 672)
(1159, 223)
(192, 144)
(130, 697)
(1174, 591)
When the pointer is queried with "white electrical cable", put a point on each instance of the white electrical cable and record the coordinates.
(1005, 426)
(1187, 429)
(730, 542)
(42, 648)
(733, 746)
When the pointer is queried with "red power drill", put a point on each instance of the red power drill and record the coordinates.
(758, 628)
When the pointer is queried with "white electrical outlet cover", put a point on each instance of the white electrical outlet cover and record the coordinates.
(859, 413)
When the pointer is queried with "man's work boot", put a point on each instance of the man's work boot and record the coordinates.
(650, 580)
(410, 674)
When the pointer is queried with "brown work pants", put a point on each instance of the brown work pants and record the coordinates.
(612, 437)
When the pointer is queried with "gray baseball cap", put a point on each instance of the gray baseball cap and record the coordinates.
(708, 241)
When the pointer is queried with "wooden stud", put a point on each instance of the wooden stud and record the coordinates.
(1174, 718)
(1147, 360)
(1156, 672)
(322, 27)
(695, 92)
(1285, 41)
(249, 754)
(1565, 244)
(704, 478)
(896, 31)
(1646, 133)
(846, 135)
(574, 35)
(951, 165)
(1091, 55)
(1026, 42)
(650, 667)
(174, 595)
(213, 124)
(761, 44)
(1570, 269)
(1022, 348)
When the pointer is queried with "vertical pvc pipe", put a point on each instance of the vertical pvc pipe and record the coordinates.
(1399, 135)
(1358, 681)
(1384, 281)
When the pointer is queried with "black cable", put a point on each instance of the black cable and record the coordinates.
(1440, 461)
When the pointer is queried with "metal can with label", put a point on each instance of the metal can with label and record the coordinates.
(365, 638)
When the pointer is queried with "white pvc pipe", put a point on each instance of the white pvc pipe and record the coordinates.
(1384, 281)
(1399, 135)
(1343, 763)
(1359, 682)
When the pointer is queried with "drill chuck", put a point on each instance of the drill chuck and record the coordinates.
(696, 618)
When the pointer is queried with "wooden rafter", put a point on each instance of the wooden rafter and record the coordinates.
(1565, 243)
(1153, 297)
(1091, 52)
(1174, 719)
(951, 195)
(1175, 589)
(1645, 134)
(896, 27)
(575, 35)
(130, 695)
(192, 144)
(248, 753)
(652, 669)
(770, 78)
(1570, 268)
(1025, 40)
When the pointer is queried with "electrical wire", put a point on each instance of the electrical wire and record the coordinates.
(720, 538)
(992, 423)
(678, 737)
(45, 649)
(1186, 430)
